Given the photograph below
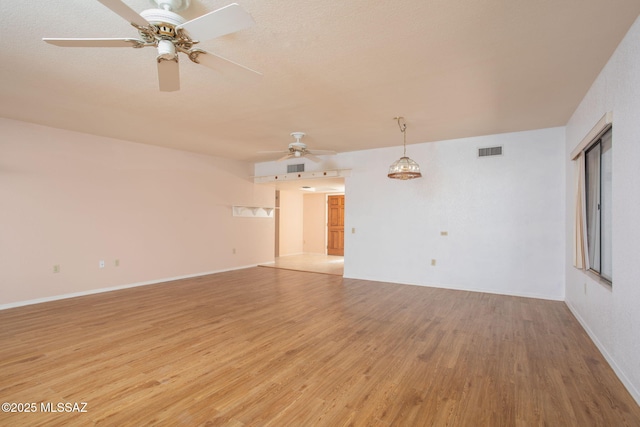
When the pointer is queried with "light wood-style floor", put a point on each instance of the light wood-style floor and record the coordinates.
(316, 263)
(273, 347)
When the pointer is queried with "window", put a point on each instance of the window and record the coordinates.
(598, 174)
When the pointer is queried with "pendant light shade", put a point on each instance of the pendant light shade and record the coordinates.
(404, 168)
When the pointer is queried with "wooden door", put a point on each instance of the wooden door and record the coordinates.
(335, 227)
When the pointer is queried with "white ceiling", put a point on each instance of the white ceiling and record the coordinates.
(337, 70)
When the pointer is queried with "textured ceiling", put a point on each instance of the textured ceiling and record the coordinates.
(337, 70)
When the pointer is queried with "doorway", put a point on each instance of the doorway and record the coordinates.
(303, 241)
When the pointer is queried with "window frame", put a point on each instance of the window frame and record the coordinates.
(597, 271)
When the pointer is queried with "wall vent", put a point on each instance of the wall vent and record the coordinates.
(490, 151)
(295, 168)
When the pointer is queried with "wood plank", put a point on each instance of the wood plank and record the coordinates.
(275, 347)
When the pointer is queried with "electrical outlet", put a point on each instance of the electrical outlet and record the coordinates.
(433, 262)
(444, 233)
(353, 230)
(234, 251)
(101, 263)
(117, 263)
(56, 268)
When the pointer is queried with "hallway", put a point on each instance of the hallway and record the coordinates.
(315, 263)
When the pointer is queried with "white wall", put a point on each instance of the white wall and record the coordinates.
(291, 222)
(72, 199)
(504, 215)
(315, 224)
(611, 314)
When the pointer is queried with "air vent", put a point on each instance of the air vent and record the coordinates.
(295, 168)
(490, 151)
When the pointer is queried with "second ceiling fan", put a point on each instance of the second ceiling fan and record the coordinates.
(299, 149)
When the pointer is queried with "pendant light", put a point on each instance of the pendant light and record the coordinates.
(404, 168)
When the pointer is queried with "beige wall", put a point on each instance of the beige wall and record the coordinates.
(314, 224)
(291, 212)
(72, 199)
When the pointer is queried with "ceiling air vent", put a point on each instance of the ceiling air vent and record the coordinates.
(295, 168)
(490, 151)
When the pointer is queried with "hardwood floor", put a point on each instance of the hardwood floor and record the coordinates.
(271, 347)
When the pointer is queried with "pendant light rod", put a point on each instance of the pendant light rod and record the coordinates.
(403, 129)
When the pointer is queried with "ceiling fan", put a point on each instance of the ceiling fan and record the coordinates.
(170, 33)
(299, 149)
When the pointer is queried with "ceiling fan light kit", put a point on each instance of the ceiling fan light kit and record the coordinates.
(166, 51)
(404, 168)
(170, 33)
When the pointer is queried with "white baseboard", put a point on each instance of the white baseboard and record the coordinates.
(635, 393)
(115, 288)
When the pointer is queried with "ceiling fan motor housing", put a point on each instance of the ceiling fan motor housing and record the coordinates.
(163, 18)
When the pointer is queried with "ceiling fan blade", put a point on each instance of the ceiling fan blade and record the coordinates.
(288, 156)
(125, 11)
(271, 152)
(95, 42)
(220, 22)
(222, 65)
(168, 75)
(325, 152)
(311, 157)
